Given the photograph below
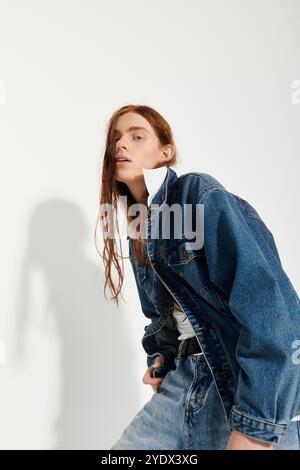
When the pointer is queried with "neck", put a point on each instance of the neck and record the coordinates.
(138, 189)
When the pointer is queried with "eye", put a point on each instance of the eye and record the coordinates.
(138, 136)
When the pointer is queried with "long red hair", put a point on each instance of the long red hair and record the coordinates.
(111, 190)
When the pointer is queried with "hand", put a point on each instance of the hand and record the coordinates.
(238, 441)
(153, 381)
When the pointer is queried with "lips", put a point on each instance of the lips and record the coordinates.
(120, 158)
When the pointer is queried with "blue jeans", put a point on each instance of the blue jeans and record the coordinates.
(187, 413)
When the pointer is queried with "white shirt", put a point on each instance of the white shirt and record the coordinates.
(154, 178)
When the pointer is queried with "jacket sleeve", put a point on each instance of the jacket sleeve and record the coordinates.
(243, 261)
(164, 342)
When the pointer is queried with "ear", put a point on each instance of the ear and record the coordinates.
(167, 153)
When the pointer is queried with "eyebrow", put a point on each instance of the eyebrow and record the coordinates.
(132, 128)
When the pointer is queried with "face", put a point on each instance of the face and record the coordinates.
(136, 141)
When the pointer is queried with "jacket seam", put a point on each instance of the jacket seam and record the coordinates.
(208, 192)
(207, 185)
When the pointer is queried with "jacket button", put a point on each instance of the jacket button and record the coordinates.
(189, 410)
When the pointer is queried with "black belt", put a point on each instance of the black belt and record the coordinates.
(189, 346)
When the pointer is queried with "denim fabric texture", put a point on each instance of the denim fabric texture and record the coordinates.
(244, 311)
(187, 414)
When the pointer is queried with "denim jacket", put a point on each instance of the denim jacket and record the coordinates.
(238, 298)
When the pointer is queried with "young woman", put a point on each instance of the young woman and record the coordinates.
(223, 342)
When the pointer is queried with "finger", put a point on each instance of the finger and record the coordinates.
(147, 379)
(157, 362)
(156, 365)
(155, 388)
(149, 373)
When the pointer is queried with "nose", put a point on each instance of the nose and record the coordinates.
(119, 147)
(120, 144)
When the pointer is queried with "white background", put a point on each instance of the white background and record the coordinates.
(222, 74)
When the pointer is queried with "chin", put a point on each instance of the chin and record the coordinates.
(122, 178)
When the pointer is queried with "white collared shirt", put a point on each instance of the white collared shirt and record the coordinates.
(154, 178)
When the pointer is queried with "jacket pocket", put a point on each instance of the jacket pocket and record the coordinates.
(181, 255)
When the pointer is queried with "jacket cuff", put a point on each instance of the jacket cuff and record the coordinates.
(254, 427)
